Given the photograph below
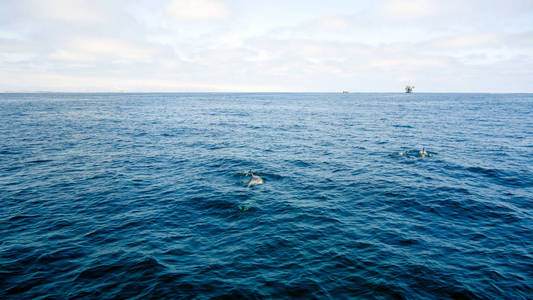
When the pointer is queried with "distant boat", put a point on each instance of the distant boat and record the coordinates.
(409, 89)
(345, 92)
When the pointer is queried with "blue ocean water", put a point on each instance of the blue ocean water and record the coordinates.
(146, 196)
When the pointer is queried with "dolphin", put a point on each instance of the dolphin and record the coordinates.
(255, 179)
(422, 153)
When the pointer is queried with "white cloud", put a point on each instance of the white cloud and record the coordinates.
(334, 22)
(61, 82)
(467, 41)
(407, 9)
(15, 57)
(194, 10)
(410, 63)
(93, 49)
(10, 35)
(70, 10)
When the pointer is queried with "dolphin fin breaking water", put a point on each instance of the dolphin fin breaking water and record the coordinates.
(255, 181)
(423, 153)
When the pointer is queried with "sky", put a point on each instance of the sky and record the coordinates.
(266, 46)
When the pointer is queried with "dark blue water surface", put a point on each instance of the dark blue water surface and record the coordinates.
(144, 195)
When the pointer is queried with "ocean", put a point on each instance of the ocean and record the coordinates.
(146, 195)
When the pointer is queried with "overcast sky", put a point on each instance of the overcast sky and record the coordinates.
(275, 45)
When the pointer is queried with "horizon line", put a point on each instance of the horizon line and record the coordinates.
(247, 92)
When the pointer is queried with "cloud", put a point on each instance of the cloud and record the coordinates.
(198, 10)
(92, 49)
(71, 83)
(334, 22)
(468, 41)
(15, 57)
(410, 63)
(407, 9)
(10, 35)
(70, 10)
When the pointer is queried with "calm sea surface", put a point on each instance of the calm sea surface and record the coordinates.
(145, 195)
